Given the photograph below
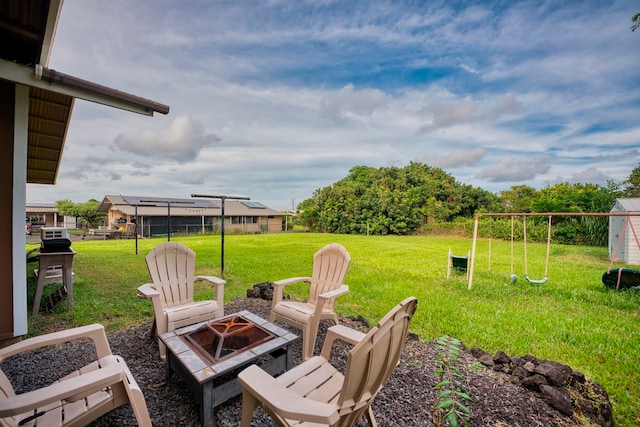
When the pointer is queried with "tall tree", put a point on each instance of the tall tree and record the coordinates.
(633, 183)
(84, 212)
(518, 199)
(392, 200)
(578, 198)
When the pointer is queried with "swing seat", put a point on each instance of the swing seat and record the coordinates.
(536, 282)
(622, 278)
(457, 263)
(514, 279)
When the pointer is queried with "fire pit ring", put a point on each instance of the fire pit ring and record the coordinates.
(222, 338)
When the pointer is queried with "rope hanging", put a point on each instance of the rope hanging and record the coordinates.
(514, 278)
(546, 265)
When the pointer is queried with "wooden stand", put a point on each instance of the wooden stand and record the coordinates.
(65, 260)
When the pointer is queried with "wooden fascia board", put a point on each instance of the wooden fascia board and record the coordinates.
(25, 75)
(55, 6)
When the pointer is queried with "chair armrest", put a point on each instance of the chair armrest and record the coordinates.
(343, 289)
(282, 401)
(286, 282)
(218, 288)
(95, 332)
(278, 287)
(322, 299)
(212, 279)
(147, 291)
(340, 332)
(71, 389)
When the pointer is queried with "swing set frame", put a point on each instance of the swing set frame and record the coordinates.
(528, 214)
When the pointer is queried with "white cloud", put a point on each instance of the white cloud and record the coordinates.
(347, 102)
(276, 99)
(510, 169)
(446, 113)
(182, 142)
(588, 176)
(194, 179)
(456, 158)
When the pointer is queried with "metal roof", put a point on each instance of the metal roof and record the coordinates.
(41, 208)
(159, 206)
(165, 201)
(627, 205)
(27, 29)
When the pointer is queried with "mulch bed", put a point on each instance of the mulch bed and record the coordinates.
(406, 400)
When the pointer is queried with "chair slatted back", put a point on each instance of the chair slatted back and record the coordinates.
(371, 362)
(330, 265)
(172, 269)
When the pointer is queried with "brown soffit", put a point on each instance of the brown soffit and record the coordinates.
(27, 28)
(49, 117)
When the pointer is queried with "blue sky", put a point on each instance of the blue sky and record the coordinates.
(275, 99)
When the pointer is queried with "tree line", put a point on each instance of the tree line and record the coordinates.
(418, 198)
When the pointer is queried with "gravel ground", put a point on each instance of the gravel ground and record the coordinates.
(406, 400)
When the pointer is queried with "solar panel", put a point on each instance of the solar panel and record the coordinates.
(164, 201)
(253, 205)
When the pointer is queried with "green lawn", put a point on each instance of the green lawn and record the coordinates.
(572, 318)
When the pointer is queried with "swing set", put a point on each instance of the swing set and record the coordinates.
(623, 275)
(546, 263)
(514, 277)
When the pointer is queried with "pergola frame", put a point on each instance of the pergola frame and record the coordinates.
(526, 214)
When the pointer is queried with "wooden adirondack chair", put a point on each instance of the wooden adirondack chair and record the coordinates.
(316, 392)
(78, 398)
(330, 265)
(172, 268)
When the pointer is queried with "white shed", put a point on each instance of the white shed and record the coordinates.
(627, 243)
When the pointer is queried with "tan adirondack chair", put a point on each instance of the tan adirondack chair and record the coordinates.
(316, 392)
(78, 398)
(172, 269)
(330, 265)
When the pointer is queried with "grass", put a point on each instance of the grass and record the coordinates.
(572, 318)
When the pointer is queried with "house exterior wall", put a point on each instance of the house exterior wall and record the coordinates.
(21, 142)
(14, 109)
(113, 216)
(7, 115)
(47, 216)
(150, 225)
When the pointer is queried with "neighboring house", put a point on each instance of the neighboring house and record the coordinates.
(155, 215)
(46, 215)
(625, 245)
(35, 112)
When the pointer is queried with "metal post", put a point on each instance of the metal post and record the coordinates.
(168, 202)
(222, 238)
(473, 252)
(222, 198)
(168, 221)
(135, 229)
